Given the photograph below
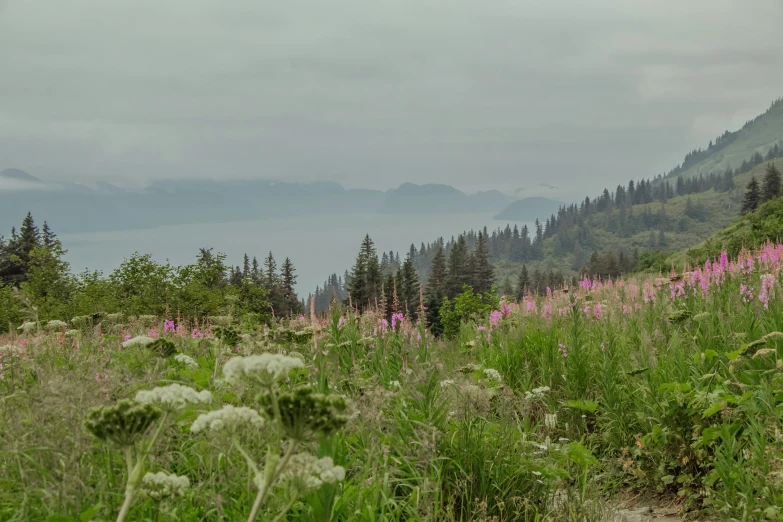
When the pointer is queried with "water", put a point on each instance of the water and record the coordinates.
(318, 246)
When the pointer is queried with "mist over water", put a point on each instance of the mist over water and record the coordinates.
(318, 246)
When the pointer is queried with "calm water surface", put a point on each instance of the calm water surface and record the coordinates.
(318, 246)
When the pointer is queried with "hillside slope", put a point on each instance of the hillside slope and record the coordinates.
(749, 231)
(732, 148)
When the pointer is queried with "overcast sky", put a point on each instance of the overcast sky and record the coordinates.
(480, 94)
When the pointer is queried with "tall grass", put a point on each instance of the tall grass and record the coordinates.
(664, 385)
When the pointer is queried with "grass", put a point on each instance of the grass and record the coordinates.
(671, 388)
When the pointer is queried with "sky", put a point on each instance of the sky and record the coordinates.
(500, 94)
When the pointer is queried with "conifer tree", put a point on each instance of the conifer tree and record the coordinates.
(771, 186)
(523, 282)
(288, 282)
(246, 266)
(752, 196)
(457, 272)
(437, 279)
(483, 271)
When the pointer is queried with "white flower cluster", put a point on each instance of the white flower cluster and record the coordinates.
(27, 327)
(139, 340)
(266, 368)
(227, 420)
(447, 383)
(306, 472)
(550, 420)
(536, 393)
(13, 350)
(56, 325)
(186, 360)
(493, 376)
(173, 396)
(161, 485)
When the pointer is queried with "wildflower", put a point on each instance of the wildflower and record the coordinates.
(340, 323)
(160, 486)
(505, 309)
(168, 326)
(563, 350)
(482, 328)
(196, 334)
(446, 383)
(227, 420)
(746, 293)
(306, 472)
(27, 327)
(186, 360)
(266, 368)
(395, 318)
(550, 420)
(494, 318)
(531, 306)
(56, 325)
(304, 412)
(395, 384)
(493, 376)
(122, 424)
(547, 311)
(597, 310)
(173, 397)
(153, 334)
(139, 340)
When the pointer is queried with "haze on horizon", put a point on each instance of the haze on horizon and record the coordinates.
(479, 95)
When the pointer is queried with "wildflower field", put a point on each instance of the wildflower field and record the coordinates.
(668, 386)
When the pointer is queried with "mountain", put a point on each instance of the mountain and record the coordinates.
(425, 199)
(730, 149)
(79, 208)
(529, 209)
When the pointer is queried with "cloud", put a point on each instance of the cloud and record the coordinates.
(477, 94)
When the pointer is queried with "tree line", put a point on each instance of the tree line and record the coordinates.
(36, 284)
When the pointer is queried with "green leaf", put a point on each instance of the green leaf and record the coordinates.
(638, 371)
(712, 410)
(583, 405)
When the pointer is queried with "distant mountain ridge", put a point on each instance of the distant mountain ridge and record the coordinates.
(79, 208)
(730, 149)
(529, 209)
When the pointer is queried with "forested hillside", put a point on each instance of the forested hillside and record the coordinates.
(629, 228)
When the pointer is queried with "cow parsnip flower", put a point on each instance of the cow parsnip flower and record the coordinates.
(227, 420)
(173, 397)
(266, 368)
(122, 424)
(139, 340)
(492, 376)
(303, 412)
(56, 325)
(186, 360)
(161, 485)
(306, 472)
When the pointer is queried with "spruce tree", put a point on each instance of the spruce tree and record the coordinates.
(272, 284)
(457, 272)
(409, 289)
(483, 271)
(752, 196)
(289, 299)
(771, 186)
(523, 282)
(437, 279)
(246, 266)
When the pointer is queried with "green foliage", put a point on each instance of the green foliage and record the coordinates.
(122, 424)
(467, 306)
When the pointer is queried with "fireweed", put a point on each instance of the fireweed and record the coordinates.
(289, 418)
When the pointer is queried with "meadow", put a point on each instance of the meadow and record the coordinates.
(667, 386)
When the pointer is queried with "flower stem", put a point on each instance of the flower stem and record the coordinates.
(264, 490)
